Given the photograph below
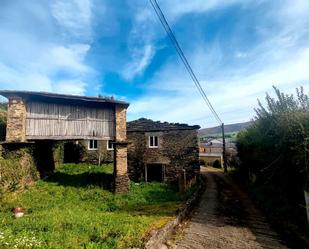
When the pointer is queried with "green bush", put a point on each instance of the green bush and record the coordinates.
(274, 154)
(17, 172)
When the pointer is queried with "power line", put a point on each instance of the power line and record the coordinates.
(172, 37)
(182, 56)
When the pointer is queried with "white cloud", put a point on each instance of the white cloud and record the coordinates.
(173, 97)
(69, 58)
(11, 78)
(141, 59)
(233, 84)
(74, 16)
(41, 73)
(34, 57)
(74, 87)
(241, 55)
(175, 8)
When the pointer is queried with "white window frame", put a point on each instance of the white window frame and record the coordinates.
(92, 147)
(108, 142)
(153, 139)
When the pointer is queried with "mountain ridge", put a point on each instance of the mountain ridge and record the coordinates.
(228, 128)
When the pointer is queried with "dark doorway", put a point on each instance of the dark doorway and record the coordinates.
(44, 157)
(73, 152)
(154, 173)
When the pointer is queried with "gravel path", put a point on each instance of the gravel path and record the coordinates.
(226, 218)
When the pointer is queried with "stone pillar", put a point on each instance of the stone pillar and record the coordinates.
(121, 184)
(16, 120)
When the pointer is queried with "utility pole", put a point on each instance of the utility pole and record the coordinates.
(224, 149)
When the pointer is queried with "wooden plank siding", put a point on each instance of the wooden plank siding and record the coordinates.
(62, 122)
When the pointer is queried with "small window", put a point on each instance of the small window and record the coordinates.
(153, 142)
(93, 145)
(110, 145)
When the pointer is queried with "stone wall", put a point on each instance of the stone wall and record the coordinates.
(120, 151)
(16, 120)
(177, 150)
(209, 160)
(102, 154)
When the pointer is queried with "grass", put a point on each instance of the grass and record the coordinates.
(231, 135)
(75, 209)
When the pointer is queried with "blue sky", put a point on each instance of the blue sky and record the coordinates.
(237, 48)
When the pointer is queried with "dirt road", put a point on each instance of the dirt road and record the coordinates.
(226, 218)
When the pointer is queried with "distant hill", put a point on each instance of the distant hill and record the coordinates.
(228, 129)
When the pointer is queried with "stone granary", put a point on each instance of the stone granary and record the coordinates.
(43, 118)
(162, 152)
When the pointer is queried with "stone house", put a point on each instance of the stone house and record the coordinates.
(161, 151)
(91, 151)
(98, 151)
(211, 150)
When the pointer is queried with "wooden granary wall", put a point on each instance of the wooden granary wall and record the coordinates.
(58, 121)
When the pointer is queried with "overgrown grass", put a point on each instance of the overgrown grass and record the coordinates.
(75, 209)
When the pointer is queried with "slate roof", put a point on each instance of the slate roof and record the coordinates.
(62, 97)
(144, 125)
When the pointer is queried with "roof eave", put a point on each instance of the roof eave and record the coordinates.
(10, 93)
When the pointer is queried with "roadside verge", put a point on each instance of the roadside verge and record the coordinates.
(160, 236)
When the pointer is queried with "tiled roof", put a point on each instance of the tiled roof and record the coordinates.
(144, 124)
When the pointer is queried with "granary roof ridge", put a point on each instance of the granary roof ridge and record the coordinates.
(144, 124)
(8, 93)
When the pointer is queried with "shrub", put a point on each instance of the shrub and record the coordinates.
(274, 153)
(17, 171)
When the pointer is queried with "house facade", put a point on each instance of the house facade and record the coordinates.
(98, 151)
(162, 152)
(211, 151)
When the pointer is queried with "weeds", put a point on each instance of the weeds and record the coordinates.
(75, 209)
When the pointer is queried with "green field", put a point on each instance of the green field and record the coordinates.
(231, 135)
(74, 208)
